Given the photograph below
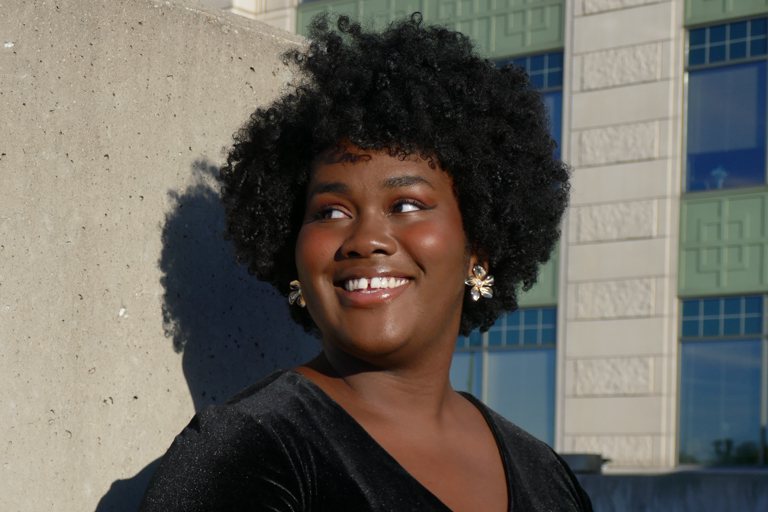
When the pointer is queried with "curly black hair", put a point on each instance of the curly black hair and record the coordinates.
(410, 89)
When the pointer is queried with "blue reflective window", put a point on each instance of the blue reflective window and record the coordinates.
(729, 316)
(720, 402)
(697, 37)
(546, 73)
(467, 372)
(727, 42)
(757, 27)
(720, 378)
(726, 127)
(521, 387)
(739, 30)
(515, 361)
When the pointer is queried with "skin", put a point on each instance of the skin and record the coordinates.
(386, 355)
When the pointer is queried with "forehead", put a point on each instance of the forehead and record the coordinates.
(367, 168)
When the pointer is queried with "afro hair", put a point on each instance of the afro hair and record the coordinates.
(410, 89)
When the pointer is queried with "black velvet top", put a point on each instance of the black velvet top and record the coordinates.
(284, 445)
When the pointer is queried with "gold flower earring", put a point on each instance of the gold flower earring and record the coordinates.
(296, 296)
(481, 283)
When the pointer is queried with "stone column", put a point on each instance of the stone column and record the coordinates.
(619, 277)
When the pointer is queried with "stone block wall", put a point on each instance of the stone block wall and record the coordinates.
(619, 284)
(121, 308)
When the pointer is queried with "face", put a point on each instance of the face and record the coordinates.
(381, 255)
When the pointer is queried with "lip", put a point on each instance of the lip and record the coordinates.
(369, 299)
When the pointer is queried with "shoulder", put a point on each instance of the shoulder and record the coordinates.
(232, 454)
(539, 477)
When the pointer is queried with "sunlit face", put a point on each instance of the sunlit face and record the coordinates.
(381, 256)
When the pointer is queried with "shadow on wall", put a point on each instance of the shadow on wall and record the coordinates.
(231, 329)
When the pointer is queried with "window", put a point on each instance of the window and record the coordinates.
(512, 369)
(546, 72)
(723, 381)
(726, 135)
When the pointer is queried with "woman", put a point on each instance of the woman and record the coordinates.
(379, 196)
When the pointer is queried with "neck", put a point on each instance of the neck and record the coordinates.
(416, 392)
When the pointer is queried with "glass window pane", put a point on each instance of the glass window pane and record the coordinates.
(738, 30)
(691, 308)
(495, 338)
(537, 63)
(757, 27)
(461, 342)
(554, 103)
(732, 326)
(732, 306)
(757, 47)
(753, 325)
(753, 305)
(554, 79)
(548, 316)
(531, 316)
(513, 318)
(513, 337)
(690, 327)
(531, 336)
(717, 34)
(726, 127)
(548, 335)
(466, 372)
(475, 339)
(521, 387)
(537, 81)
(711, 328)
(738, 50)
(717, 53)
(712, 307)
(555, 60)
(519, 62)
(697, 37)
(720, 402)
(697, 57)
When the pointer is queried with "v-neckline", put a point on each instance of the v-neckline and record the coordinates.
(470, 398)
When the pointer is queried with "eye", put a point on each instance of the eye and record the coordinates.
(408, 205)
(332, 213)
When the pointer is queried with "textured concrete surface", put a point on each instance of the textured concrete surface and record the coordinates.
(121, 310)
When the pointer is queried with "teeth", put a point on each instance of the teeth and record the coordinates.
(375, 283)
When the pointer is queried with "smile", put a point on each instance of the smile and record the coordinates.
(374, 284)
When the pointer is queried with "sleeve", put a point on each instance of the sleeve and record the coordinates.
(225, 460)
(585, 504)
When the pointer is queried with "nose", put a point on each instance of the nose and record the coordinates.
(369, 234)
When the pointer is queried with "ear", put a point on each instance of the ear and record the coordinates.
(474, 259)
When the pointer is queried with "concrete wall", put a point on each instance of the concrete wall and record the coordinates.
(121, 310)
(619, 270)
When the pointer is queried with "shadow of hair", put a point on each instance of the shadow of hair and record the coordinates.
(230, 329)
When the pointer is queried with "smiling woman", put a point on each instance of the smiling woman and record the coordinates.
(400, 170)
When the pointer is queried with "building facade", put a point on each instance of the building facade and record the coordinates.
(646, 339)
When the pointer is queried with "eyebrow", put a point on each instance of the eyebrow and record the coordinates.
(405, 180)
(329, 187)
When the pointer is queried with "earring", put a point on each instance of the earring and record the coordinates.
(480, 283)
(295, 295)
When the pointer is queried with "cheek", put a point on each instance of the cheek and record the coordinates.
(440, 244)
(314, 248)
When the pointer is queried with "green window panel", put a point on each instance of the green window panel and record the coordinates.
(501, 28)
(709, 11)
(544, 292)
(723, 244)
